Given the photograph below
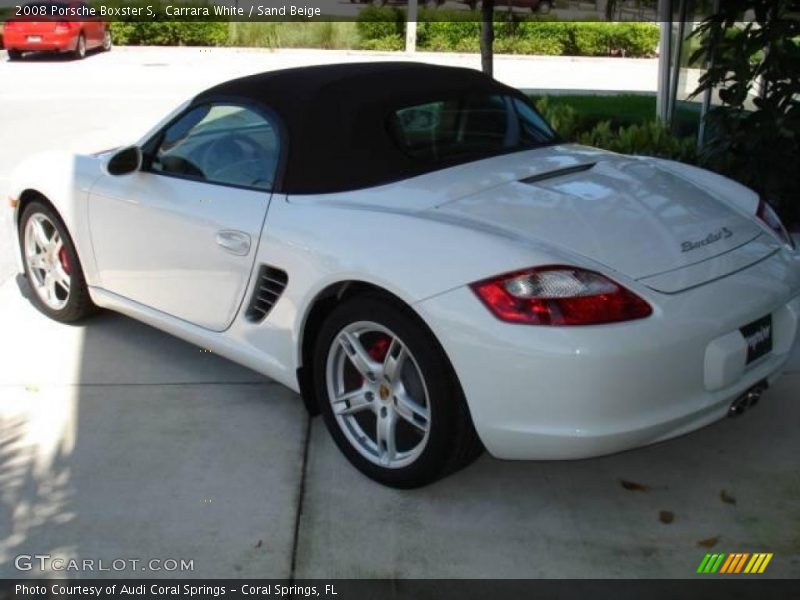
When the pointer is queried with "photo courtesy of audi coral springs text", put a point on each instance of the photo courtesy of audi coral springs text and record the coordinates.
(414, 251)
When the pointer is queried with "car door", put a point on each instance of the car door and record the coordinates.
(180, 234)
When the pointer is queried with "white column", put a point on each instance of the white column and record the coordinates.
(664, 58)
(411, 27)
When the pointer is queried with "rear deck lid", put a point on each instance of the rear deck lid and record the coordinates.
(627, 214)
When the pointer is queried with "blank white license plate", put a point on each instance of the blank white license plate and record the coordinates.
(34, 38)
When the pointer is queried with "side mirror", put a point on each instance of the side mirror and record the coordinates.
(125, 161)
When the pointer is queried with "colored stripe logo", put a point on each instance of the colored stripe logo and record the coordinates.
(734, 563)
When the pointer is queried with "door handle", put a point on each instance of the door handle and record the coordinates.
(235, 242)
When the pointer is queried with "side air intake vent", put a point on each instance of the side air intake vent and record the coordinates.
(269, 286)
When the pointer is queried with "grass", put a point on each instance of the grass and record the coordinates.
(330, 35)
(623, 110)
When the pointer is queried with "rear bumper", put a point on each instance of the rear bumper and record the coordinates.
(566, 393)
(49, 42)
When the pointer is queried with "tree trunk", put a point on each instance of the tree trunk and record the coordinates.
(487, 37)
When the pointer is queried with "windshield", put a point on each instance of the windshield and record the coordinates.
(472, 126)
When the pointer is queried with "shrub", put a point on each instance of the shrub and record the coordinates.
(637, 39)
(547, 35)
(255, 35)
(591, 39)
(563, 117)
(754, 138)
(387, 43)
(447, 30)
(374, 23)
(515, 33)
(544, 46)
(611, 39)
(294, 34)
(650, 139)
(169, 33)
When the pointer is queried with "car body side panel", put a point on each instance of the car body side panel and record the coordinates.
(321, 245)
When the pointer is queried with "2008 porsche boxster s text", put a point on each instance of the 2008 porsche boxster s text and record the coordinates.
(414, 250)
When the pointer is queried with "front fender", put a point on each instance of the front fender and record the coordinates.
(64, 179)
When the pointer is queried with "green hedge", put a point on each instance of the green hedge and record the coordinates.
(445, 30)
(167, 33)
(374, 23)
(383, 28)
(648, 138)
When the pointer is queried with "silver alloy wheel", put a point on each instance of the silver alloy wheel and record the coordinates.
(378, 394)
(81, 49)
(107, 40)
(47, 261)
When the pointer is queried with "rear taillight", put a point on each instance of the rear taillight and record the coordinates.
(770, 218)
(62, 26)
(9, 25)
(559, 295)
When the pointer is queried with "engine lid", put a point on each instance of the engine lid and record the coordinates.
(625, 213)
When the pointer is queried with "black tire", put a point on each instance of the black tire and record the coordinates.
(14, 55)
(107, 41)
(79, 304)
(452, 442)
(80, 48)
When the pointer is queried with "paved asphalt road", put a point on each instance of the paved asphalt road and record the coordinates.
(118, 441)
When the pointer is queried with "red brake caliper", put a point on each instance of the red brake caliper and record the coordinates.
(64, 258)
(379, 349)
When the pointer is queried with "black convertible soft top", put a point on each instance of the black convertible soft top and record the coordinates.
(336, 118)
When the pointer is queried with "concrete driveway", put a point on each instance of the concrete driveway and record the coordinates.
(120, 442)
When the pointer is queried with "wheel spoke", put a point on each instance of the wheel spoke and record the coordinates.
(61, 278)
(410, 411)
(358, 355)
(351, 402)
(49, 287)
(393, 363)
(386, 439)
(38, 261)
(39, 235)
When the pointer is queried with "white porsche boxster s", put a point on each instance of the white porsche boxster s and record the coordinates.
(414, 251)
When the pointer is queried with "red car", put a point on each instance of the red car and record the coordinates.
(54, 27)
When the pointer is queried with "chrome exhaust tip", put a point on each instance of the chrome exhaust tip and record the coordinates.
(747, 400)
(738, 407)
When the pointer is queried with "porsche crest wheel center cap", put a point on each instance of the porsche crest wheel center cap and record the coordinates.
(384, 392)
